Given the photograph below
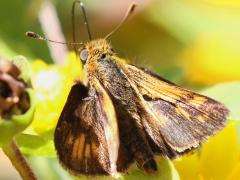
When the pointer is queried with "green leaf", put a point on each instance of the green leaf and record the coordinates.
(22, 63)
(17, 123)
(35, 145)
(49, 168)
(166, 171)
(228, 94)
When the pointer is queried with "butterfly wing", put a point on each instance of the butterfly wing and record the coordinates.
(86, 136)
(175, 119)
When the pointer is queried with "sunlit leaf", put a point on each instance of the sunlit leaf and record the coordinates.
(17, 123)
(36, 145)
(22, 63)
(166, 171)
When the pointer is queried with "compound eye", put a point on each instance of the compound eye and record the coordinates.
(84, 55)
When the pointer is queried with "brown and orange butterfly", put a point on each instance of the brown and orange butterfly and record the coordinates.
(122, 114)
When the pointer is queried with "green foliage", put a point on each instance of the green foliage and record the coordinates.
(22, 63)
(35, 145)
(166, 171)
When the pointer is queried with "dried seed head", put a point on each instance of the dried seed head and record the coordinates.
(10, 87)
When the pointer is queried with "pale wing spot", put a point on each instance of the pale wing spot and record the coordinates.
(87, 151)
(81, 146)
(199, 101)
(94, 149)
(78, 147)
(181, 111)
(157, 114)
(75, 148)
(201, 119)
(69, 140)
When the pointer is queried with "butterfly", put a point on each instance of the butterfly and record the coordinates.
(123, 114)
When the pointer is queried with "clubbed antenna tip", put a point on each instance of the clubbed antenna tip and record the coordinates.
(34, 35)
(39, 37)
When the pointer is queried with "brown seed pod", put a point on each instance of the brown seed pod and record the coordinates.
(10, 86)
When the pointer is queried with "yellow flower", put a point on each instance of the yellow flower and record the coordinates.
(213, 58)
(218, 158)
(235, 174)
(52, 84)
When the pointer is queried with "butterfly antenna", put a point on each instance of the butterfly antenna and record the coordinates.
(39, 37)
(124, 19)
(84, 16)
(73, 27)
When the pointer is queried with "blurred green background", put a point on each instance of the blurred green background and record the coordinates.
(186, 41)
(195, 43)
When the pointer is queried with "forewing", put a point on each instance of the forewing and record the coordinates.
(86, 136)
(172, 115)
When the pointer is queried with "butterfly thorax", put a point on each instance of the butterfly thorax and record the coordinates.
(98, 50)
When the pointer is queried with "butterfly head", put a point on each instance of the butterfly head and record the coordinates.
(95, 50)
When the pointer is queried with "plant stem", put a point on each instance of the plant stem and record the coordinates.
(18, 161)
